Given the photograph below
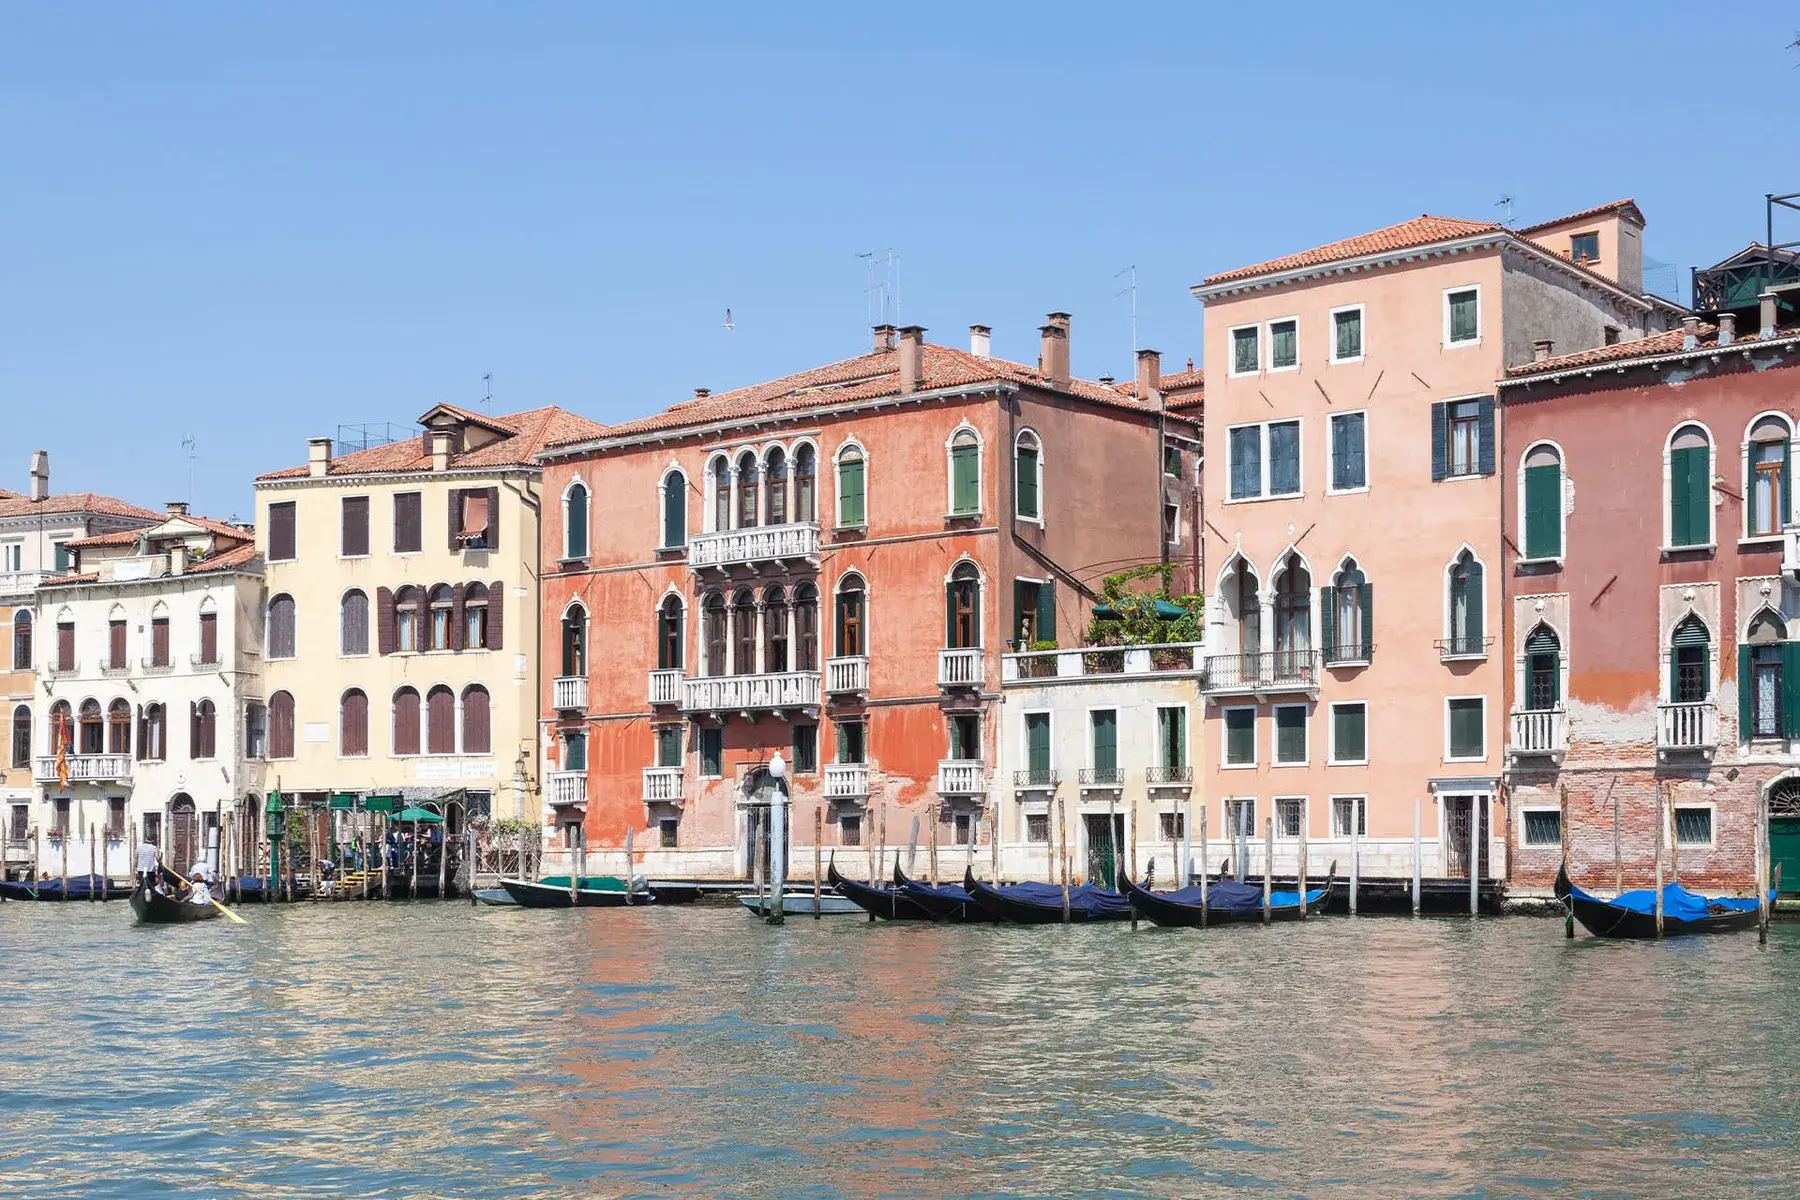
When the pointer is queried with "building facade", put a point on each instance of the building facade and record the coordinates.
(401, 624)
(1653, 615)
(1352, 680)
(827, 567)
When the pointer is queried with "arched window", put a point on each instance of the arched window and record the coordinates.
(806, 628)
(852, 488)
(713, 622)
(409, 602)
(775, 630)
(962, 607)
(280, 639)
(574, 641)
(670, 654)
(1467, 631)
(1543, 670)
(852, 617)
(965, 473)
(1768, 502)
(721, 483)
(1244, 599)
(353, 623)
(477, 737)
(746, 490)
(118, 727)
(1541, 502)
(406, 721)
(21, 647)
(475, 617)
(203, 730)
(353, 724)
(1760, 683)
(775, 484)
(153, 734)
(575, 521)
(1293, 617)
(93, 729)
(1690, 662)
(440, 721)
(1690, 487)
(442, 607)
(21, 736)
(743, 632)
(1346, 615)
(62, 728)
(674, 507)
(806, 504)
(1028, 477)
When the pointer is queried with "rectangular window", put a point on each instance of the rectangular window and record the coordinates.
(1276, 446)
(670, 828)
(61, 552)
(1349, 733)
(1290, 734)
(1690, 494)
(962, 829)
(1345, 809)
(1246, 462)
(1468, 735)
(281, 531)
(1347, 335)
(159, 642)
(850, 829)
(1349, 452)
(1585, 247)
(1693, 826)
(1037, 828)
(1543, 510)
(1172, 460)
(965, 479)
(1464, 447)
(1245, 356)
(852, 741)
(668, 745)
(409, 523)
(1034, 611)
(1462, 317)
(256, 729)
(21, 822)
(1543, 827)
(1170, 827)
(65, 645)
(965, 737)
(1240, 817)
(116, 657)
(1171, 743)
(806, 749)
(1037, 745)
(209, 637)
(1171, 524)
(574, 752)
(1284, 458)
(852, 511)
(354, 536)
(712, 751)
(1104, 744)
(1284, 347)
(59, 823)
(1290, 812)
(11, 555)
(1240, 737)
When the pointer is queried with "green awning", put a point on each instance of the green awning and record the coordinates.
(422, 815)
(1165, 611)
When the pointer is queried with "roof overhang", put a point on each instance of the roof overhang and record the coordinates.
(1349, 266)
(1746, 347)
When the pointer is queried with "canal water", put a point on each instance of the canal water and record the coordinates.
(437, 1050)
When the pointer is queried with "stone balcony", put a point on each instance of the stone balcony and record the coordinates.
(960, 777)
(1687, 728)
(665, 687)
(569, 693)
(567, 787)
(961, 668)
(847, 676)
(662, 785)
(86, 768)
(1100, 663)
(846, 781)
(1538, 733)
(764, 545)
(751, 693)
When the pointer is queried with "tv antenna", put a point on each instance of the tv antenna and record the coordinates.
(1132, 288)
(1505, 205)
(882, 294)
(487, 401)
(728, 322)
(187, 447)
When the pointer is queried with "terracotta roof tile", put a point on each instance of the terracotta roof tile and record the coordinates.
(126, 537)
(1667, 342)
(231, 559)
(73, 502)
(532, 431)
(1636, 215)
(1420, 231)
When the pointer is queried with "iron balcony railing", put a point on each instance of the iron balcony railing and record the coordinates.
(1687, 726)
(749, 547)
(1463, 646)
(1349, 654)
(570, 693)
(665, 687)
(959, 777)
(662, 785)
(1106, 777)
(960, 668)
(1270, 671)
(1035, 777)
(1169, 776)
(847, 675)
(846, 781)
(1539, 731)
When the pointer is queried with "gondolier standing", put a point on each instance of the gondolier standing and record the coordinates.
(149, 862)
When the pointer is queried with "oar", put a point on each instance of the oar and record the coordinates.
(215, 903)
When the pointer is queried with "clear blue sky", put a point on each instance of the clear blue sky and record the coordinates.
(254, 222)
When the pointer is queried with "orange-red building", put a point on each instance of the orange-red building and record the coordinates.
(827, 567)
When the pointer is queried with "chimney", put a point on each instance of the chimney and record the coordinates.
(1727, 328)
(1543, 349)
(1690, 332)
(1054, 359)
(440, 450)
(981, 341)
(318, 456)
(40, 474)
(1766, 302)
(178, 558)
(884, 338)
(912, 358)
(175, 508)
(1149, 372)
(702, 393)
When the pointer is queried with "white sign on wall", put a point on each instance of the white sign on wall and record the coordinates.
(443, 772)
(316, 731)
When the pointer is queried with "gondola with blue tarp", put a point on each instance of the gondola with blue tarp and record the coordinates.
(1228, 901)
(1633, 914)
(1042, 903)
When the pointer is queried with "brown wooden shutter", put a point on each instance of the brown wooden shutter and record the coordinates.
(159, 641)
(356, 526)
(209, 637)
(476, 738)
(454, 524)
(440, 720)
(65, 646)
(353, 731)
(408, 523)
(116, 644)
(281, 531)
(456, 616)
(143, 732)
(493, 518)
(406, 721)
(209, 728)
(496, 613)
(384, 620)
(281, 725)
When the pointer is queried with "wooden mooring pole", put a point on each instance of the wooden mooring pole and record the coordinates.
(1062, 826)
(1474, 855)
(1300, 861)
(93, 888)
(1418, 863)
(1268, 865)
(935, 812)
(1568, 909)
(1355, 852)
(1205, 871)
(1757, 880)
(818, 858)
(1661, 815)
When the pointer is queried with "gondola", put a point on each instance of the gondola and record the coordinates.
(1042, 903)
(76, 887)
(593, 891)
(947, 903)
(1633, 914)
(1227, 902)
(889, 903)
(156, 908)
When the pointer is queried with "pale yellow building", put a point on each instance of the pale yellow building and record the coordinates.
(401, 626)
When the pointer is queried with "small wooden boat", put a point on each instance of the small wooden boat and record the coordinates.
(800, 904)
(155, 908)
(495, 896)
(888, 903)
(1042, 903)
(674, 891)
(1228, 902)
(1633, 914)
(592, 891)
(947, 903)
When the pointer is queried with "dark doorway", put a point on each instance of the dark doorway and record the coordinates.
(184, 834)
(1105, 836)
(1456, 836)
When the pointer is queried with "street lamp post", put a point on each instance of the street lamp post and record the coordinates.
(778, 813)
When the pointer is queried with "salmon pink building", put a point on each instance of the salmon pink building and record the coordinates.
(827, 567)
(1355, 683)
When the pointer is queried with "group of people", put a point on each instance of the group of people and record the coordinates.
(151, 877)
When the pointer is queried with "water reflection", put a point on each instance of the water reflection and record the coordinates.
(438, 1050)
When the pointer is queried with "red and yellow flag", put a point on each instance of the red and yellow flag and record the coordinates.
(62, 752)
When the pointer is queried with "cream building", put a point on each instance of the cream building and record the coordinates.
(402, 616)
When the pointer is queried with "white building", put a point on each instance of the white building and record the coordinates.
(149, 660)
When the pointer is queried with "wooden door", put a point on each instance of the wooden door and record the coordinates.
(184, 835)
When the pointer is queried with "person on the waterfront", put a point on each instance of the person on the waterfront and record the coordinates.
(149, 860)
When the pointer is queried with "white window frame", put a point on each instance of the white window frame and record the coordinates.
(1269, 336)
(12, 556)
(1331, 453)
(1275, 759)
(672, 471)
(1362, 324)
(1262, 428)
(1331, 735)
(1359, 812)
(1275, 803)
(1524, 826)
(1487, 609)
(1453, 758)
(837, 499)
(1745, 537)
(1712, 824)
(1480, 314)
(700, 753)
(1025, 737)
(1037, 442)
(1228, 833)
(950, 512)
(1225, 763)
(1668, 490)
(1562, 502)
(1231, 371)
(1187, 735)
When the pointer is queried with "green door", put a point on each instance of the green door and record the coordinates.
(1784, 852)
(1103, 838)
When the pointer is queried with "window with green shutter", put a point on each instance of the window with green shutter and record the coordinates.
(1468, 738)
(1347, 340)
(712, 751)
(1290, 733)
(1171, 741)
(1349, 456)
(668, 745)
(852, 480)
(1690, 663)
(1690, 488)
(1105, 725)
(1464, 321)
(1245, 356)
(965, 475)
(1349, 733)
(1037, 744)
(1543, 503)
(806, 749)
(1240, 737)
(1543, 670)
(1025, 477)
(1284, 348)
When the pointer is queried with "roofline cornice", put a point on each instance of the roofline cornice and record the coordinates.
(525, 470)
(1746, 348)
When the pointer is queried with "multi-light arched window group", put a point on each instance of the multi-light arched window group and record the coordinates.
(407, 620)
(775, 486)
(747, 632)
(118, 729)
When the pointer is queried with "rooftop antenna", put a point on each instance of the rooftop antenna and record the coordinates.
(1132, 288)
(1505, 205)
(187, 447)
(487, 401)
(728, 322)
(882, 294)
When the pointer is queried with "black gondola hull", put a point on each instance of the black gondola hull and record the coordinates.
(1611, 921)
(890, 904)
(998, 905)
(938, 908)
(1163, 911)
(154, 908)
